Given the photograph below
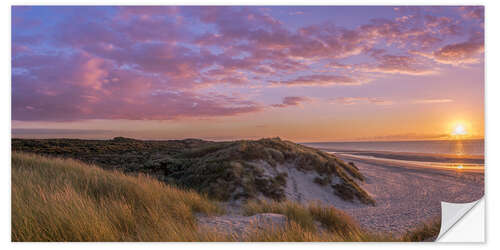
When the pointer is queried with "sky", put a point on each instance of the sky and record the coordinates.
(324, 73)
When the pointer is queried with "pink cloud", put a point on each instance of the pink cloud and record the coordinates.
(292, 101)
(468, 52)
(320, 80)
(475, 12)
(152, 62)
(269, 46)
(460, 53)
(336, 65)
(431, 101)
(360, 100)
(92, 88)
(392, 64)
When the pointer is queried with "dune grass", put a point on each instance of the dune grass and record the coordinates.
(57, 199)
(427, 231)
(335, 224)
(65, 200)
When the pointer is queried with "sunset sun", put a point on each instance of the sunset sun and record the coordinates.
(459, 129)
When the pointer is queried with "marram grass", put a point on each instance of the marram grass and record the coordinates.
(57, 199)
(65, 200)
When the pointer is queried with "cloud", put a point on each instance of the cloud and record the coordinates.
(294, 13)
(472, 12)
(392, 64)
(431, 101)
(460, 53)
(360, 100)
(57, 132)
(320, 80)
(405, 136)
(82, 86)
(292, 101)
(336, 65)
(468, 52)
(155, 62)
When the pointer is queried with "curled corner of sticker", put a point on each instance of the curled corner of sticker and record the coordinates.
(451, 213)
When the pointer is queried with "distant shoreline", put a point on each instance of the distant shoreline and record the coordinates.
(401, 140)
(419, 157)
(433, 166)
(443, 151)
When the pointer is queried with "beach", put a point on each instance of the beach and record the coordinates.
(407, 195)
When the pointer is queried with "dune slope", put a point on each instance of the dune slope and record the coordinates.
(237, 170)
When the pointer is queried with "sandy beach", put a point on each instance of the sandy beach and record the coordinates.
(407, 195)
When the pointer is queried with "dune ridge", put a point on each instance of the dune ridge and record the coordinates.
(227, 171)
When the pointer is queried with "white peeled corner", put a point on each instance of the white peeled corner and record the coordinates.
(453, 213)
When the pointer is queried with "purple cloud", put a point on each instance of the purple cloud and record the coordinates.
(320, 80)
(391, 64)
(155, 62)
(292, 101)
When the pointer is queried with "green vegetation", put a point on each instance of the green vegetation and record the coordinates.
(222, 170)
(57, 199)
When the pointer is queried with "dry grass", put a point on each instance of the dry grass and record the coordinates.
(293, 232)
(65, 200)
(425, 232)
(292, 210)
(335, 224)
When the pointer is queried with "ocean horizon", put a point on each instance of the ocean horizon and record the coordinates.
(470, 147)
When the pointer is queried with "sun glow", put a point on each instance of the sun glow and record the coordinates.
(459, 129)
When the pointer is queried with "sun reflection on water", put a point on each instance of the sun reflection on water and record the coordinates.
(459, 148)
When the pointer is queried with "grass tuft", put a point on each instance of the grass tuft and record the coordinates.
(335, 225)
(309, 216)
(427, 231)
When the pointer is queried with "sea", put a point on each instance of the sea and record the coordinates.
(454, 154)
